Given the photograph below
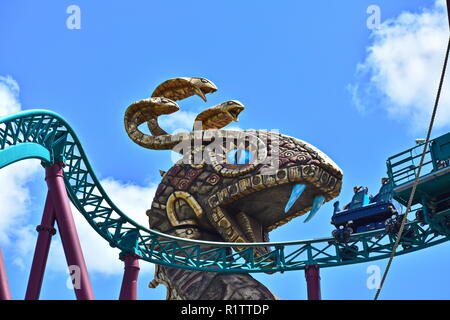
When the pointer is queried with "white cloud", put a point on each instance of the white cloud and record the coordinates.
(178, 121)
(233, 127)
(100, 257)
(182, 121)
(132, 199)
(15, 197)
(17, 205)
(403, 66)
(9, 91)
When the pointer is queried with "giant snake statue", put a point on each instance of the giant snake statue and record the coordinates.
(233, 186)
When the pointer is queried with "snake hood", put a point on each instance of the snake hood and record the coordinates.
(233, 186)
(241, 200)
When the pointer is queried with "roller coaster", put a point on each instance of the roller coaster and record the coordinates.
(45, 135)
(366, 228)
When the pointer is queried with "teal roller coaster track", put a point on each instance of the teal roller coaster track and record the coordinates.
(47, 136)
(44, 135)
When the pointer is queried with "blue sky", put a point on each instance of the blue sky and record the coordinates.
(311, 69)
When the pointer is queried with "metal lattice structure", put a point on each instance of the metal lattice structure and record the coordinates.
(47, 136)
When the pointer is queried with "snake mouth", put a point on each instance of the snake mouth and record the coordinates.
(270, 201)
(234, 112)
(203, 91)
(233, 108)
(202, 87)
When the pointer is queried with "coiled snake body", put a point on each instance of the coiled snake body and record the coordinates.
(231, 186)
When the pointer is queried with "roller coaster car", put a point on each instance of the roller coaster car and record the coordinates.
(366, 213)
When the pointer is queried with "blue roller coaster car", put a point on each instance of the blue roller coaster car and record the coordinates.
(365, 213)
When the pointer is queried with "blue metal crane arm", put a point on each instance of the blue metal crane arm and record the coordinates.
(47, 136)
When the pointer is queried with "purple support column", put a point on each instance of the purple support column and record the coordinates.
(312, 275)
(128, 291)
(46, 231)
(66, 226)
(5, 294)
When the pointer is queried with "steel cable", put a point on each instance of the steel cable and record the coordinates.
(416, 180)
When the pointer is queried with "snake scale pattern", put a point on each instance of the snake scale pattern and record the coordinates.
(233, 186)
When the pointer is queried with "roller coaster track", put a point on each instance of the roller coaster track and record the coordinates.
(47, 136)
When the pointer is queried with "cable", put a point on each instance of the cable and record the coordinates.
(448, 11)
(416, 180)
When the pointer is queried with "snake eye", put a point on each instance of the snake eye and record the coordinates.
(239, 156)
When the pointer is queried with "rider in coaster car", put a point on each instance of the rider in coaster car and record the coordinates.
(356, 189)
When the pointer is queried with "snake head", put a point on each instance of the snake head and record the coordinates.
(202, 86)
(185, 87)
(220, 115)
(232, 108)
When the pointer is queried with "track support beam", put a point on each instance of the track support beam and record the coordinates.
(46, 231)
(68, 232)
(312, 274)
(5, 293)
(128, 291)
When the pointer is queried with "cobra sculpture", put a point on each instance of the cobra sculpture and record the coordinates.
(233, 186)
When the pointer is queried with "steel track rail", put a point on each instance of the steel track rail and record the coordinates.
(45, 135)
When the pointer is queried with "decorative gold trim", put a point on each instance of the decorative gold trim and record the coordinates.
(190, 200)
